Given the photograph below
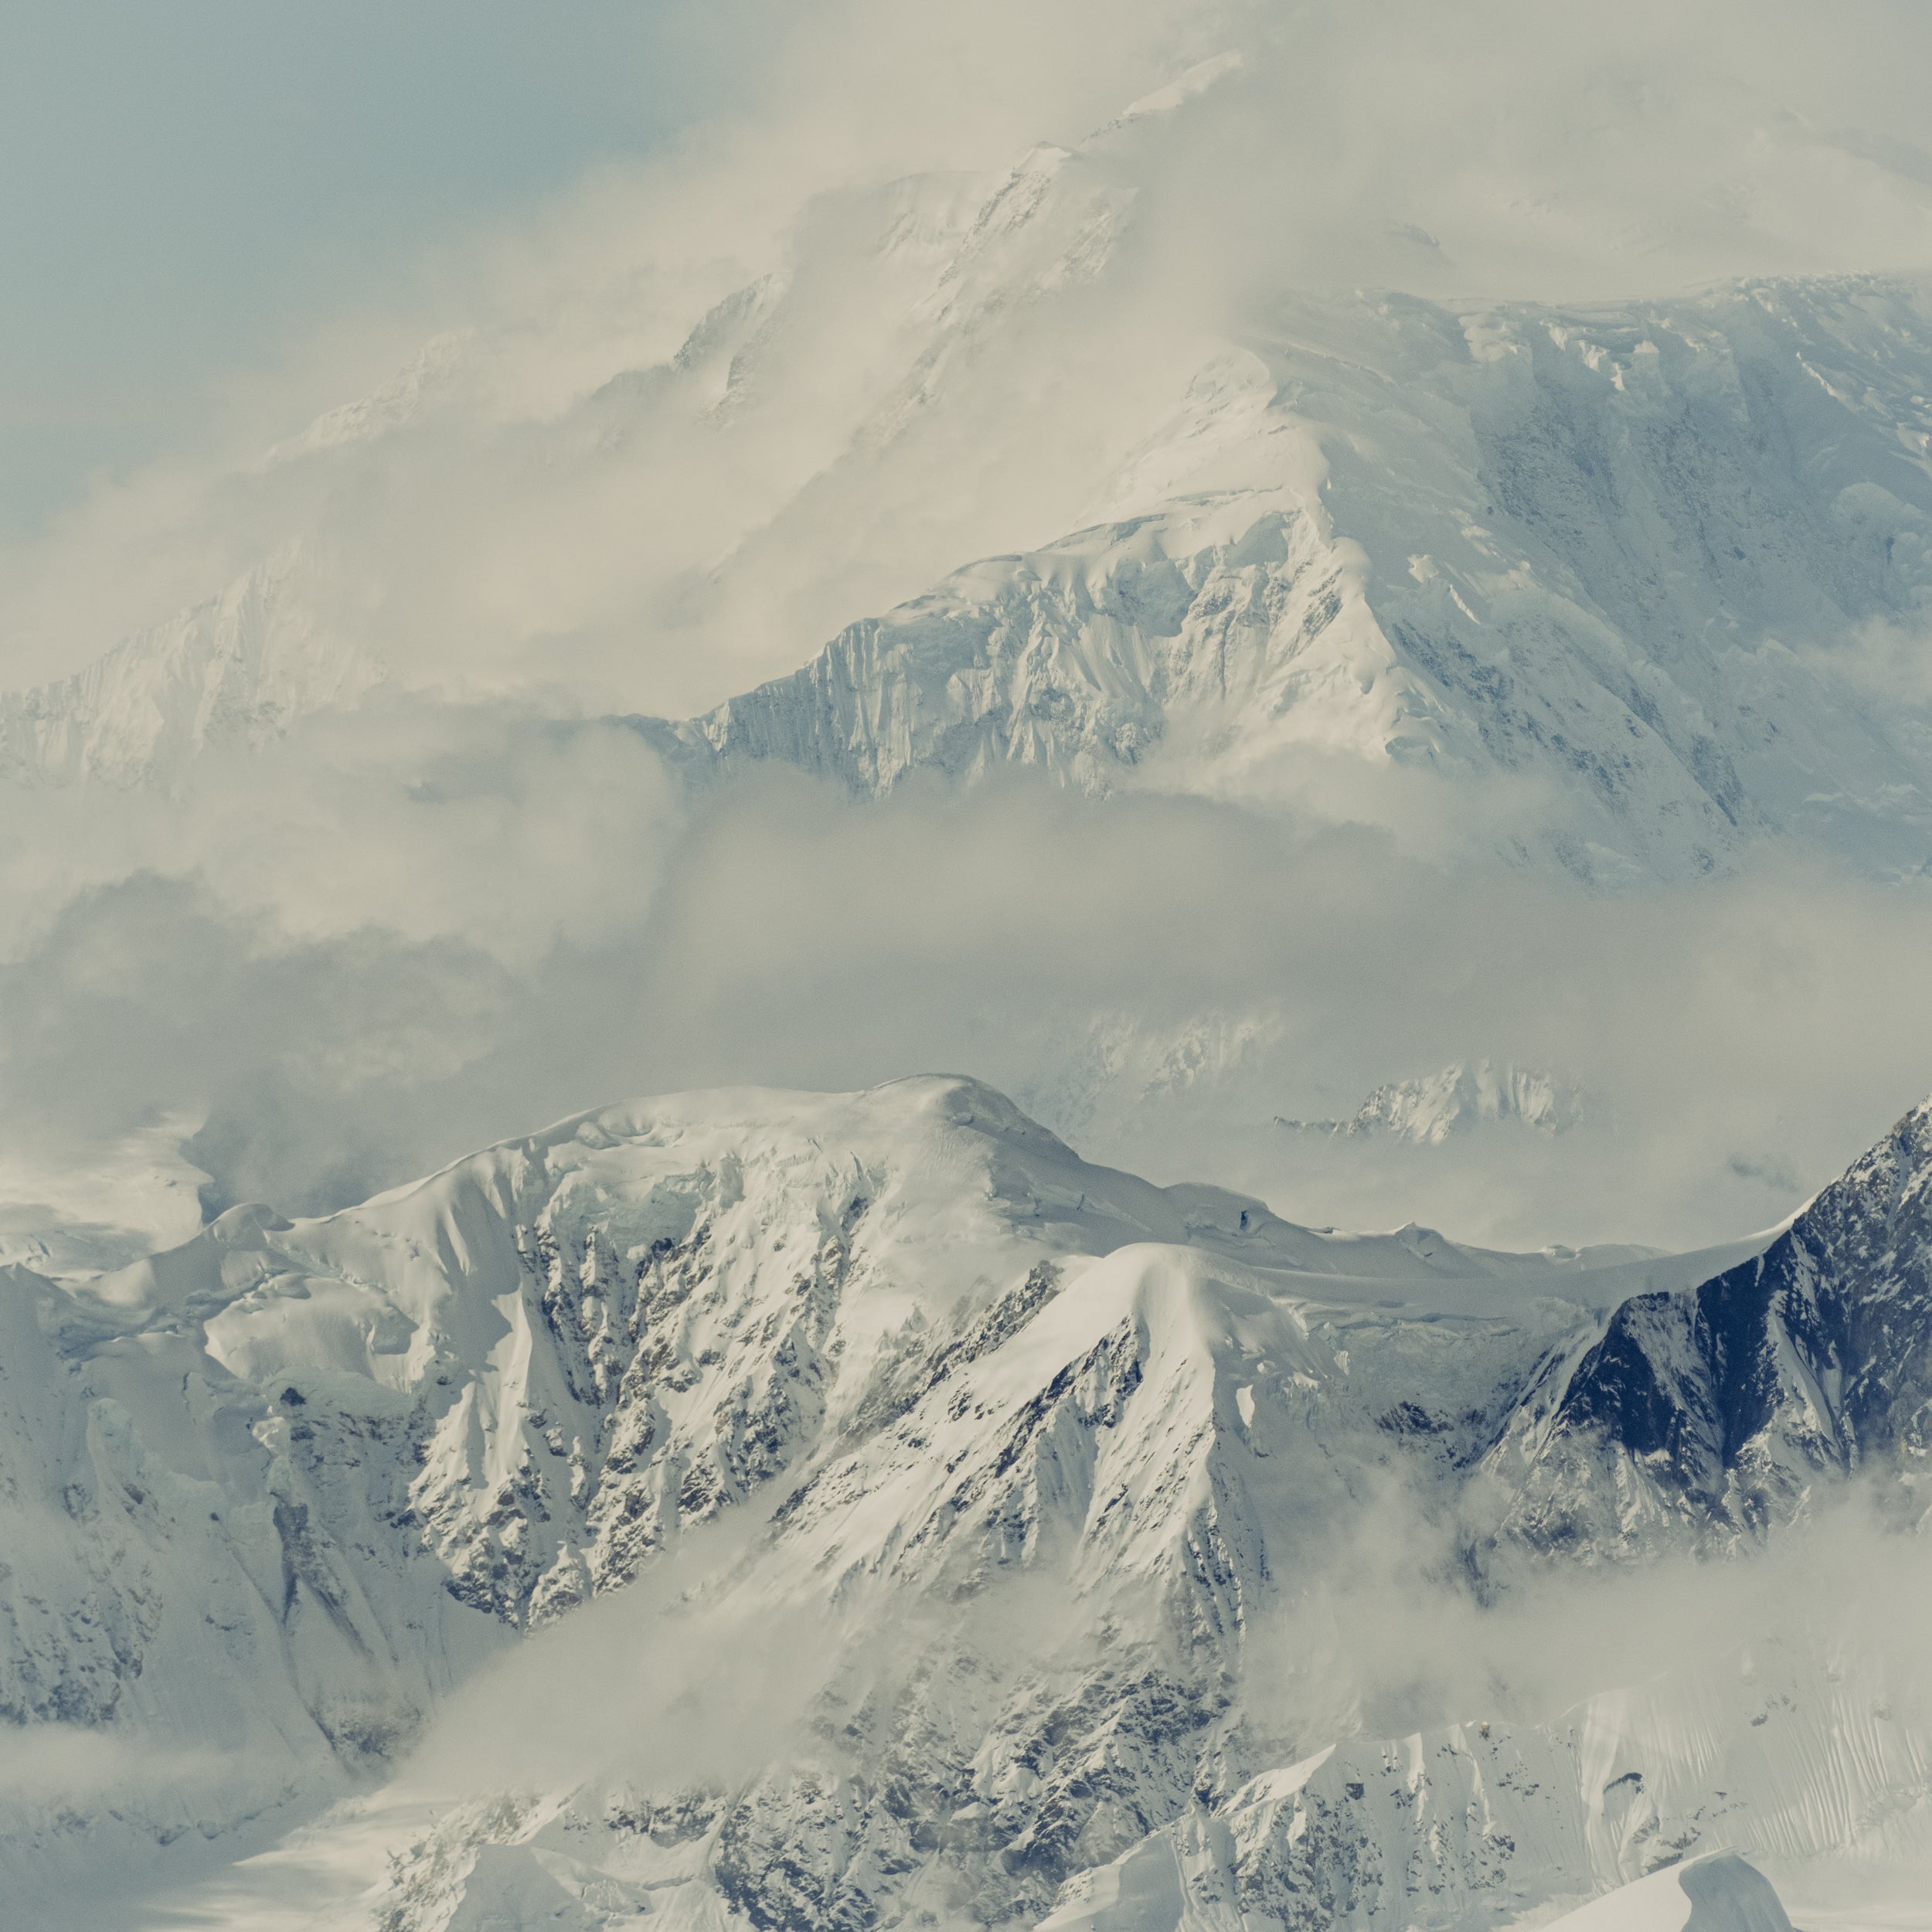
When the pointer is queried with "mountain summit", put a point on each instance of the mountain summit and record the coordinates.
(324, 1469)
(1623, 589)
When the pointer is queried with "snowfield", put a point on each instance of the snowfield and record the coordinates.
(1722, 1893)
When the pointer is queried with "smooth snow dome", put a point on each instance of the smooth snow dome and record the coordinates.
(1190, 749)
(1721, 1893)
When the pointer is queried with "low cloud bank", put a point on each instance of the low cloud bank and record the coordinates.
(362, 958)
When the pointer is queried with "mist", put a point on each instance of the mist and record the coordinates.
(396, 941)
(690, 1688)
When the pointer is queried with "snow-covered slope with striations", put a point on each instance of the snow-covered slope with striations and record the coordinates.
(1666, 565)
(1472, 1825)
(1652, 1794)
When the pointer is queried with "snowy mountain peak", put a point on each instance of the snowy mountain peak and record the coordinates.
(235, 671)
(1713, 1415)
(1511, 618)
(1458, 1098)
(924, 1356)
(1201, 629)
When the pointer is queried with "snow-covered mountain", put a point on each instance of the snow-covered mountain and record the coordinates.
(1664, 565)
(237, 671)
(902, 1521)
(1457, 1099)
(277, 1491)
(1718, 1413)
(1626, 587)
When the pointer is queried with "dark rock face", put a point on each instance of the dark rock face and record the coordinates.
(1717, 1409)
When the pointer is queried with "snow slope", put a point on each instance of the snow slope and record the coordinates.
(1477, 1824)
(1719, 1893)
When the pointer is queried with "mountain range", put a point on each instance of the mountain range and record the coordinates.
(1055, 1454)
(1621, 589)
(805, 1511)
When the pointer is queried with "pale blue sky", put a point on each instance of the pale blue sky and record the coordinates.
(184, 183)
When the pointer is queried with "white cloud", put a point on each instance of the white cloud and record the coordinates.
(408, 941)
